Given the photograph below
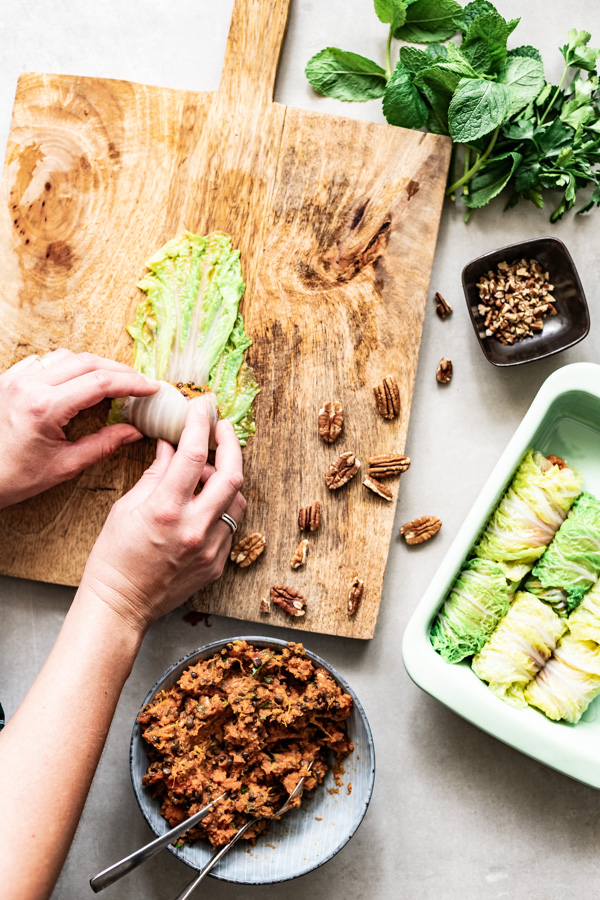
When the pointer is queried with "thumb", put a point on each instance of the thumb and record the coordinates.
(153, 475)
(78, 455)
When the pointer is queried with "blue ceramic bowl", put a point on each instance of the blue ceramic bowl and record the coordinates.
(302, 840)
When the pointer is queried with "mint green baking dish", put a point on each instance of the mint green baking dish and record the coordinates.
(564, 419)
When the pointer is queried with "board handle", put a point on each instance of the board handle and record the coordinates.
(254, 45)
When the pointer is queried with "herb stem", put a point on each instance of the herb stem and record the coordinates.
(555, 95)
(466, 166)
(452, 170)
(476, 165)
(388, 56)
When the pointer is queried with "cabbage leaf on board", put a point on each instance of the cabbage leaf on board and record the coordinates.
(528, 515)
(520, 646)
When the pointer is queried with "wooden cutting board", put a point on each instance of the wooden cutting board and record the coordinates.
(336, 221)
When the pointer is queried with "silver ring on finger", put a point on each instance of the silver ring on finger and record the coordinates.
(231, 522)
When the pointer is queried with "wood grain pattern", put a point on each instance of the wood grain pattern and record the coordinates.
(336, 220)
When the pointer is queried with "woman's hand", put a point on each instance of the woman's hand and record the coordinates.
(162, 541)
(38, 397)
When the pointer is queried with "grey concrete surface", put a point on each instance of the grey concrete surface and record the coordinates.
(455, 813)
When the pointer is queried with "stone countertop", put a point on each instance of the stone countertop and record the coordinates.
(455, 813)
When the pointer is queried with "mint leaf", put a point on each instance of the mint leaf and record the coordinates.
(524, 78)
(430, 20)
(437, 51)
(402, 102)
(492, 179)
(477, 107)
(577, 54)
(521, 130)
(391, 12)
(345, 76)
(445, 77)
(526, 50)
(475, 9)
(485, 42)
(414, 59)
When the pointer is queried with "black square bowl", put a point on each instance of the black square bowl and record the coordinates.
(568, 327)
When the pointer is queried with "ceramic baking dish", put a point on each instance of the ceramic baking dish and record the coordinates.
(564, 419)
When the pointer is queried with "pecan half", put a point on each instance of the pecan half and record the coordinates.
(421, 529)
(289, 599)
(331, 420)
(248, 549)
(387, 397)
(309, 517)
(442, 308)
(355, 595)
(265, 605)
(377, 487)
(387, 464)
(299, 557)
(444, 371)
(342, 470)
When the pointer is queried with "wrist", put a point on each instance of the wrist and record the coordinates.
(114, 607)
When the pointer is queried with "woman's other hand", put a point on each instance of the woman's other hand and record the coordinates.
(162, 541)
(38, 397)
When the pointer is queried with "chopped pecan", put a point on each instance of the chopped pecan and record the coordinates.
(342, 470)
(265, 605)
(377, 487)
(331, 420)
(309, 517)
(442, 308)
(387, 397)
(387, 464)
(248, 549)
(444, 371)
(355, 595)
(299, 557)
(421, 529)
(289, 599)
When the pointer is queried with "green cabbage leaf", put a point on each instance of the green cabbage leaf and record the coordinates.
(572, 561)
(584, 622)
(479, 598)
(519, 647)
(569, 682)
(528, 515)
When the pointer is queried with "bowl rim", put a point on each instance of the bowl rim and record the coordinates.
(483, 341)
(265, 641)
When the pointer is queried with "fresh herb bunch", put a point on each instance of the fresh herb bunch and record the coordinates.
(516, 130)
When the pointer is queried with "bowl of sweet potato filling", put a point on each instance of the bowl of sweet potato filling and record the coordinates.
(249, 715)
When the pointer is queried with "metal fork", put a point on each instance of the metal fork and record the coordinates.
(221, 853)
(117, 870)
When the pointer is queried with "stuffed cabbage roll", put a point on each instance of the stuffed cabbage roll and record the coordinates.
(584, 622)
(569, 681)
(571, 564)
(529, 514)
(521, 644)
(479, 598)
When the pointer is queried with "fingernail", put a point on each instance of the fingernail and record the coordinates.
(152, 381)
(132, 438)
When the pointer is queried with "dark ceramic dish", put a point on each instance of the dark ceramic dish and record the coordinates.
(568, 327)
(305, 838)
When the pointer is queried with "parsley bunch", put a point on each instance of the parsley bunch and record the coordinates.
(515, 130)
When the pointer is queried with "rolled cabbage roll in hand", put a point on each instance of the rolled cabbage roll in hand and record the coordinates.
(569, 681)
(529, 514)
(479, 598)
(188, 333)
(571, 563)
(519, 647)
(584, 622)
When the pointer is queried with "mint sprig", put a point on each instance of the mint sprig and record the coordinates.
(512, 130)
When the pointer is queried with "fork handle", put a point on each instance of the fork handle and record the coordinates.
(186, 892)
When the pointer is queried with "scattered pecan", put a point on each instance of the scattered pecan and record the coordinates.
(442, 308)
(265, 605)
(421, 529)
(444, 371)
(387, 397)
(331, 420)
(342, 470)
(377, 487)
(309, 517)
(248, 549)
(387, 464)
(289, 599)
(355, 595)
(557, 461)
(299, 557)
